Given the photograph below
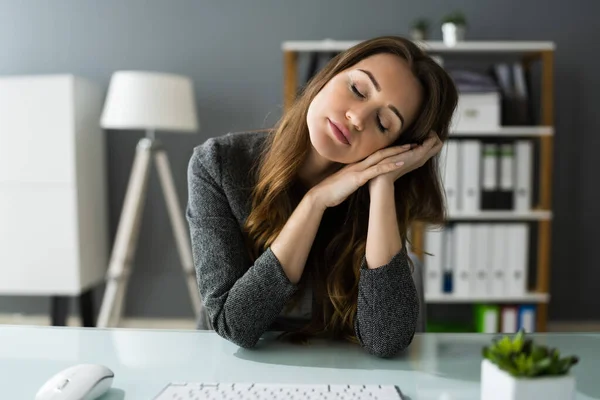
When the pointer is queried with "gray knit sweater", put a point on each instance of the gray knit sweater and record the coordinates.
(244, 299)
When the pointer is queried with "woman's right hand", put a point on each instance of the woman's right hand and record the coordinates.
(334, 189)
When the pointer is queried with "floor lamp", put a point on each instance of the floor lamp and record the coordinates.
(147, 101)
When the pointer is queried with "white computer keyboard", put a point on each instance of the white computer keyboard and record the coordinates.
(222, 391)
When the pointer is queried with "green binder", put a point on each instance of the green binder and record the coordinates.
(487, 318)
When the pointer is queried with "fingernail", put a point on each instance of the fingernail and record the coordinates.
(400, 163)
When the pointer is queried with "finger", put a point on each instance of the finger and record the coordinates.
(382, 154)
(422, 153)
(438, 144)
(426, 153)
(433, 151)
(405, 157)
(421, 150)
(432, 144)
(376, 170)
(432, 140)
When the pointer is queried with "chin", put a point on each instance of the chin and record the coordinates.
(325, 145)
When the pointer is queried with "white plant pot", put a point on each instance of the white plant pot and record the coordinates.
(452, 33)
(497, 384)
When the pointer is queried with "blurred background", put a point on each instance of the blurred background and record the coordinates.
(57, 62)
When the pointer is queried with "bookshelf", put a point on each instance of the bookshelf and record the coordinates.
(528, 298)
(536, 215)
(528, 52)
(508, 131)
(473, 46)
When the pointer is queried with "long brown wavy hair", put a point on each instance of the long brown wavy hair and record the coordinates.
(333, 265)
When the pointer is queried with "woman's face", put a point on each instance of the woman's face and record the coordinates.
(363, 109)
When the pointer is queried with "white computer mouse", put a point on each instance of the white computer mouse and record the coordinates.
(79, 382)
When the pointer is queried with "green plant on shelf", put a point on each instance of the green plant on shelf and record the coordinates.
(521, 357)
(456, 18)
(421, 24)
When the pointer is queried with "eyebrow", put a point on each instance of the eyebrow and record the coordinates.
(378, 88)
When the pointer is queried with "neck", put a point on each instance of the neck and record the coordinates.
(316, 168)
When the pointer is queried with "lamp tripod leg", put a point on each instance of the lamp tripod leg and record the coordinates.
(126, 238)
(179, 229)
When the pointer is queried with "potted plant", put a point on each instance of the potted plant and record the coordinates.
(420, 29)
(519, 369)
(454, 27)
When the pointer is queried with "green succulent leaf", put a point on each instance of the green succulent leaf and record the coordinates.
(521, 357)
(539, 352)
(542, 365)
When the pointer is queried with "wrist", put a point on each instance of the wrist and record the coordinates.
(381, 184)
(314, 200)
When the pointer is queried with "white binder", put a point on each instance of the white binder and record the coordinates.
(509, 319)
(497, 246)
(449, 260)
(479, 254)
(434, 244)
(490, 321)
(523, 175)
(463, 259)
(449, 167)
(517, 255)
(470, 167)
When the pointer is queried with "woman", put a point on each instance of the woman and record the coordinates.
(304, 228)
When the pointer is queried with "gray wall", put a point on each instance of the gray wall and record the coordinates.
(231, 49)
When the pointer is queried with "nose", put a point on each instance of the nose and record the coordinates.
(357, 117)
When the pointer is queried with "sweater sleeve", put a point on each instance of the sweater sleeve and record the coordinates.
(388, 307)
(242, 298)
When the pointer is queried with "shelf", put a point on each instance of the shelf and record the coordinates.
(501, 215)
(489, 46)
(527, 298)
(509, 131)
(327, 45)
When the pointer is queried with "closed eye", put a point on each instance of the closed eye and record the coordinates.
(362, 96)
(356, 92)
(380, 125)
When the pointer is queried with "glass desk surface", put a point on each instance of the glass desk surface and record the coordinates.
(435, 366)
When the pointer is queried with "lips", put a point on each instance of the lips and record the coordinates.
(340, 132)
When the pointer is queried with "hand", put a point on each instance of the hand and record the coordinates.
(334, 189)
(413, 159)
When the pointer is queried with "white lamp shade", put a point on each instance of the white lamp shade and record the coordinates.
(150, 100)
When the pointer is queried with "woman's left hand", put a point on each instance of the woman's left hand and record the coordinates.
(413, 159)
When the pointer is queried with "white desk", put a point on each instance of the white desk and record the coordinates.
(144, 361)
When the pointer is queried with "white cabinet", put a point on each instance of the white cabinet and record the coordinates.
(53, 201)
